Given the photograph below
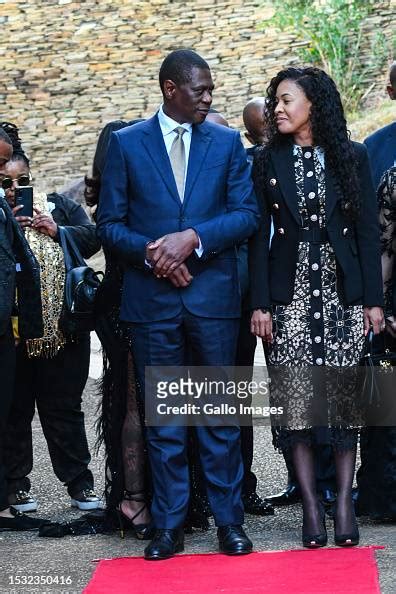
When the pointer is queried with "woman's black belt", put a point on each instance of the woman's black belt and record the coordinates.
(313, 235)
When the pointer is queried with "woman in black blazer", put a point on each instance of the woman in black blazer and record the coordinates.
(317, 289)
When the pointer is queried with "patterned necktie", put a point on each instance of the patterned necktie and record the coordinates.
(177, 158)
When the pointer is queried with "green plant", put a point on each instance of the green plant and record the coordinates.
(331, 32)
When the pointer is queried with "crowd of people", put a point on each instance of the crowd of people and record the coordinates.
(208, 247)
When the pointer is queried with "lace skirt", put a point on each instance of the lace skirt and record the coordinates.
(317, 346)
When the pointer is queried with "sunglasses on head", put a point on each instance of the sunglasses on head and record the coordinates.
(22, 180)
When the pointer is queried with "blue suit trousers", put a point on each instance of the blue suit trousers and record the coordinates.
(208, 342)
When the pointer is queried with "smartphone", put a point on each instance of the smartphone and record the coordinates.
(24, 195)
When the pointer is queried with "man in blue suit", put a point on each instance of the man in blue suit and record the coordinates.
(176, 198)
(381, 145)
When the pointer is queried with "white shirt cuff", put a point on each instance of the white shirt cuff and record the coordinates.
(199, 250)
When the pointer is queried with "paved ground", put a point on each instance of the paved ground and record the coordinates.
(27, 554)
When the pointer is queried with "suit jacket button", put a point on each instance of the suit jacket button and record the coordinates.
(281, 231)
(275, 206)
(273, 181)
(345, 231)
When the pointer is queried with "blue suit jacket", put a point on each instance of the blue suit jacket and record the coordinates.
(381, 148)
(139, 202)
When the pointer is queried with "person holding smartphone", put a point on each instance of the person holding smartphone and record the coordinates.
(13, 249)
(51, 371)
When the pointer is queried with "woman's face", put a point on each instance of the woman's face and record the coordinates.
(13, 170)
(293, 109)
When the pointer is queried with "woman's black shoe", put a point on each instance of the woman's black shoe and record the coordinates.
(350, 539)
(140, 531)
(20, 521)
(315, 541)
(347, 540)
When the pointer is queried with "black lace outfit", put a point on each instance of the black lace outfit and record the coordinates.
(315, 335)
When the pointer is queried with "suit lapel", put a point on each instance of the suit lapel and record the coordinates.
(155, 146)
(283, 161)
(200, 142)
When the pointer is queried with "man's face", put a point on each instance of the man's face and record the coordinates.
(189, 102)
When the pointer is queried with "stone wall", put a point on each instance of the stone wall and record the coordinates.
(69, 67)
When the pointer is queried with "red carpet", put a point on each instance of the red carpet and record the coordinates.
(326, 571)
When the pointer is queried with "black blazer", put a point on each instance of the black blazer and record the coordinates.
(272, 270)
(70, 214)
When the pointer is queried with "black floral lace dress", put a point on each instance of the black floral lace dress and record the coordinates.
(315, 337)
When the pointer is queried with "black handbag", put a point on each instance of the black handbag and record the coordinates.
(379, 382)
(81, 284)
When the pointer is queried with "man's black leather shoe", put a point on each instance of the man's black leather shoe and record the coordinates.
(165, 544)
(256, 506)
(288, 496)
(233, 540)
(328, 498)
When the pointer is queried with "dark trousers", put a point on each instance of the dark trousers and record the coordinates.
(246, 348)
(171, 343)
(55, 385)
(7, 374)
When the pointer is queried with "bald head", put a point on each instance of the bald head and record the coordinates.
(253, 118)
(216, 118)
(391, 87)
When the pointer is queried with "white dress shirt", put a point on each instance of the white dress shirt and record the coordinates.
(168, 126)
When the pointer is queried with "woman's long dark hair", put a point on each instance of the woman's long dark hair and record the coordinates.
(92, 184)
(328, 126)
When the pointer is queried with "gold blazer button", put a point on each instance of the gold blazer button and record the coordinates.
(273, 181)
(275, 206)
(281, 231)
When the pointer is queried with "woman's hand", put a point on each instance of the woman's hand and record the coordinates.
(261, 325)
(373, 316)
(44, 223)
(23, 221)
